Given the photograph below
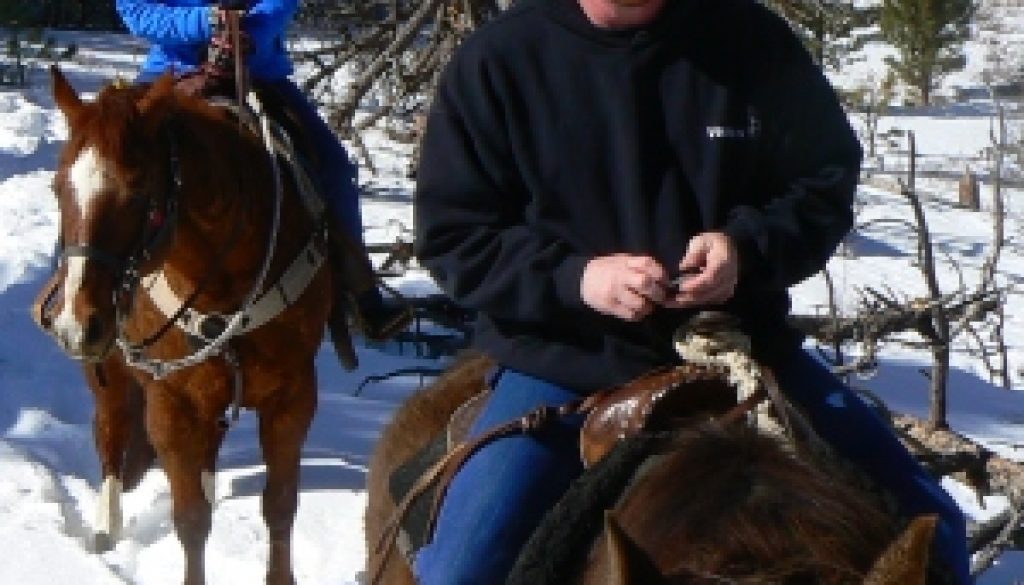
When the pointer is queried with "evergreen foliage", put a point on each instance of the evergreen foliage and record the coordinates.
(25, 43)
(15, 15)
(827, 26)
(929, 36)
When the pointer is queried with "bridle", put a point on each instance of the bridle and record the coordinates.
(215, 331)
(161, 220)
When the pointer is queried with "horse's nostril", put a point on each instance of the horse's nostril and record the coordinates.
(93, 330)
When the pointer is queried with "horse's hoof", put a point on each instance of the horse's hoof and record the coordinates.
(102, 542)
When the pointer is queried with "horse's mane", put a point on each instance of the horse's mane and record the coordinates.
(747, 504)
(739, 503)
(559, 545)
(110, 124)
(123, 119)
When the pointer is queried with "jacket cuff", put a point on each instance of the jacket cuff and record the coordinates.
(743, 229)
(568, 277)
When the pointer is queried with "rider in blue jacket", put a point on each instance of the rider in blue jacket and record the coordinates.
(181, 32)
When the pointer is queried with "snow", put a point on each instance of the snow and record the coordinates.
(49, 474)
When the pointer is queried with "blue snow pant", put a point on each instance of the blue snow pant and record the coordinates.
(501, 494)
(335, 173)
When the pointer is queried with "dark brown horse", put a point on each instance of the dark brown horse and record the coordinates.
(711, 505)
(159, 191)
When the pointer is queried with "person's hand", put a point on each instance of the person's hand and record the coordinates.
(713, 257)
(623, 285)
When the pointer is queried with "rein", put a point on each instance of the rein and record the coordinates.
(175, 315)
(233, 323)
(233, 20)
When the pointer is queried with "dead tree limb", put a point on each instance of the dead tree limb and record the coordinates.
(945, 452)
(878, 322)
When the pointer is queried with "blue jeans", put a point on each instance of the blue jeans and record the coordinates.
(336, 173)
(857, 433)
(502, 493)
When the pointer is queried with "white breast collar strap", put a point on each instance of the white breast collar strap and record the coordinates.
(278, 297)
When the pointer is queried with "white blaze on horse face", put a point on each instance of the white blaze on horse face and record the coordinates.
(66, 327)
(86, 178)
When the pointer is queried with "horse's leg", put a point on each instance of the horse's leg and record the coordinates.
(111, 424)
(122, 445)
(283, 428)
(184, 442)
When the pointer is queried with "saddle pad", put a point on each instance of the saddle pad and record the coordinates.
(414, 525)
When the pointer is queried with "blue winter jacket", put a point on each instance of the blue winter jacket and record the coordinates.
(179, 31)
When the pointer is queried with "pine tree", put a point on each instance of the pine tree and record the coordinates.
(929, 36)
(26, 42)
(826, 26)
(15, 15)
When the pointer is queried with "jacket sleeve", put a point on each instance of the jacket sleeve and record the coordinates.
(165, 25)
(809, 168)
(268, 19)
(471, 209)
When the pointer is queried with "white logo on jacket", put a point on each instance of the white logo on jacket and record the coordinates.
(726, 132)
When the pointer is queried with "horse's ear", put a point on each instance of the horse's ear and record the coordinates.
(628, 563)
(64, 95)
(157, 101)
(905, 562)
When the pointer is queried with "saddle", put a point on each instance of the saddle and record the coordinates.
(718, 380)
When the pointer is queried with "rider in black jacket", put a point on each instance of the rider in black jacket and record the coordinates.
(580, 155)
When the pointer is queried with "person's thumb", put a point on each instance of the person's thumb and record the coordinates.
(696, 253)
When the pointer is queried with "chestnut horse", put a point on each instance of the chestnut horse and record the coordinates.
(709, 505)
(158, 189)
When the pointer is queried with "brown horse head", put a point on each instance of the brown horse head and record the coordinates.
(714, 505)
(904, 562)
(729, 505)
(112, 186)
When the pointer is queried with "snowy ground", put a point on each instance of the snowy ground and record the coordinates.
(49, 473)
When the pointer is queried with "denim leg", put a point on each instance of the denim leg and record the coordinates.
(856, 432)
(500, 495)
(336, 172)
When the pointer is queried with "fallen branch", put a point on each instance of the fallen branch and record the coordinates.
(945, 452)
(877, 322)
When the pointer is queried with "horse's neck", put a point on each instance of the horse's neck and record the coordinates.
(225, 207)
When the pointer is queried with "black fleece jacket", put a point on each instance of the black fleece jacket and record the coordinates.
(551, 141)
